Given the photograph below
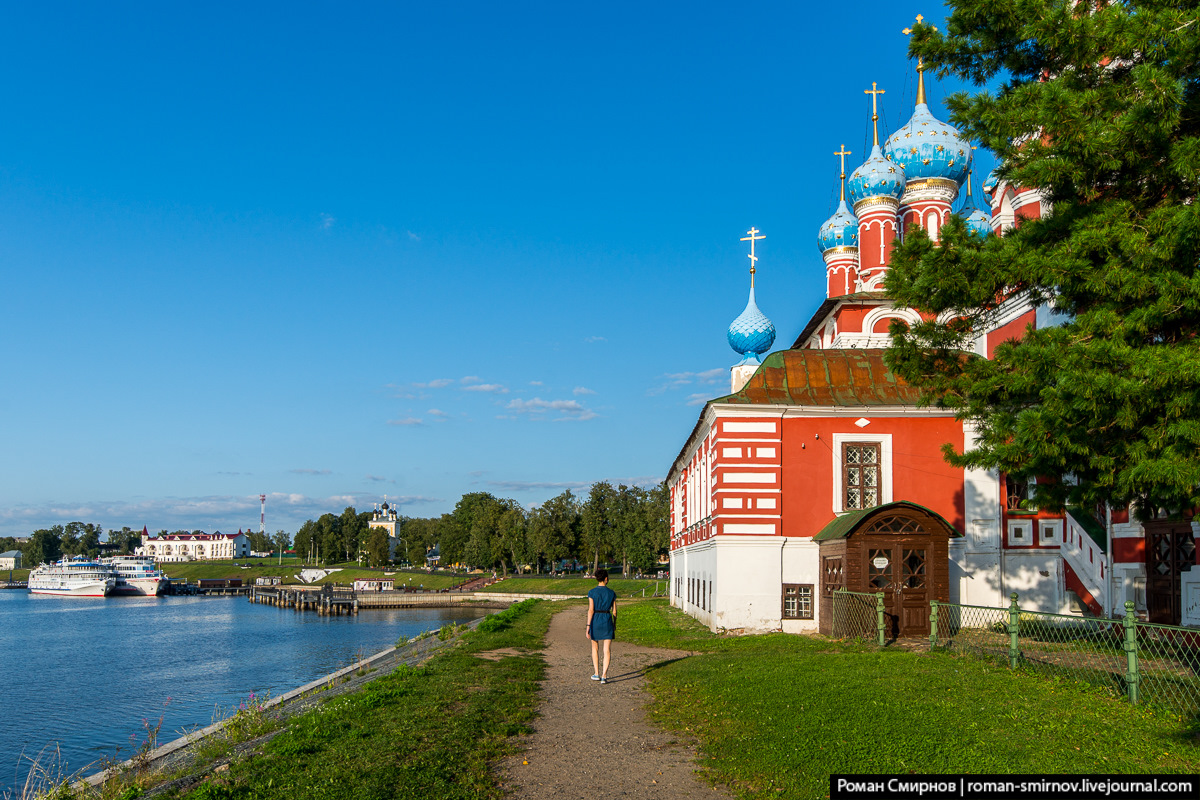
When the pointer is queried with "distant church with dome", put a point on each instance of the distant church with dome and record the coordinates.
(820, 470)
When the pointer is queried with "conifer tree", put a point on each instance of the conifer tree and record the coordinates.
(1098, 106)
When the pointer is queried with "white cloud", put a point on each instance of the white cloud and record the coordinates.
(529, 486)
(327, 221)
(439, 383)
(413, 236)
(470, 379)
(285, 510)
(493, 388)
(592, 339)
(437, 412)
(538, 405)
(310, 471)
(698, 399)
(406, 421)
(677, 380)
(379, 479)
(578, 390)
(568, 409)
(536, 383)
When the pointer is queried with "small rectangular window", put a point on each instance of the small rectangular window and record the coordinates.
(797, 601)
(1018, 532)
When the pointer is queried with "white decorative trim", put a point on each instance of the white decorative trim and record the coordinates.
(750, 427)
(749, 477)
(788, 411)
(861, 341)
(885, 465)
(741, 528)
(888, 312)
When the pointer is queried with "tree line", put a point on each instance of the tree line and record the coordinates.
(626, 524)
(84, 539)
(72, 539)
(611, 524)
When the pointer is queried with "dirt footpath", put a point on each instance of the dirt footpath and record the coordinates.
(594, 741)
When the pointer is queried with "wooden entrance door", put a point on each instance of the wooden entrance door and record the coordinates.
(1170, 550)
(901, 571)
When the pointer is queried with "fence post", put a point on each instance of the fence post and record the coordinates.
(879, 626)
(933, 620)
(1014, 627)
(1132, 678)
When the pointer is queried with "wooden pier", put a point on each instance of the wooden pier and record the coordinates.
(325, 600)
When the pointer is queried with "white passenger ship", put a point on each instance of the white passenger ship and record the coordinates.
(73, 578)
(136, 575)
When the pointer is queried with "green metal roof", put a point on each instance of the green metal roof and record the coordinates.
(825, 378)
(842, 526)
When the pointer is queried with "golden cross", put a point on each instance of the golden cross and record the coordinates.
(874, 92)
(920, 64)
(843, 153)
(752, 238)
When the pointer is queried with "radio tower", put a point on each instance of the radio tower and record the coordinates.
(262, 514)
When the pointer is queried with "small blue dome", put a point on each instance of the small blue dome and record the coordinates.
(751, 334)
(840, 230)
(991, 181)
(877, 177)
(928, 148)
(978, 222)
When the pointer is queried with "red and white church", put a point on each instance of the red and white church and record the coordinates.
(821, 471)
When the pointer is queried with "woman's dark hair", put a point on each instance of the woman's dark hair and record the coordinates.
(601, 575)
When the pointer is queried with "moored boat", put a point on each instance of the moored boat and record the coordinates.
(136, 575)
(73, 578)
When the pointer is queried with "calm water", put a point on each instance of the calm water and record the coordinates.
(83, 673)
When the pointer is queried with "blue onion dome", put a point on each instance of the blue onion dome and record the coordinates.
(928, 148)
(991, 181)
(840, 230)
(978, 222)
(751, 334)
(876, 177)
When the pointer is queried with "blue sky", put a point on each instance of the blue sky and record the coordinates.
(326, 253)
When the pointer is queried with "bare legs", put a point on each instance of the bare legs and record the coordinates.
(596, 656)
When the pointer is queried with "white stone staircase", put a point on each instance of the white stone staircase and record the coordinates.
(1085, 563)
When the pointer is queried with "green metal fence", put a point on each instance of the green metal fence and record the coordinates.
(858, 615)
(1156, 665)
(1149, 664)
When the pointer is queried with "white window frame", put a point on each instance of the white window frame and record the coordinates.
(1028, 524)
(1054, 524)
(884, 440)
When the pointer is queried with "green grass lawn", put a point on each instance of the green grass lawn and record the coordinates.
(193, 571)
(776, 714)
(575, 586)
(17, 575)
(431, 732)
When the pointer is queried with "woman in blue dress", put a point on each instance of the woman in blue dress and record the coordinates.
(601, 623)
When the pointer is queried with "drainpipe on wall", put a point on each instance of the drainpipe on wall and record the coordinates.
(1108, 527)
(782, 545)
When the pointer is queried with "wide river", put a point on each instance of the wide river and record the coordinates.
(87, 675)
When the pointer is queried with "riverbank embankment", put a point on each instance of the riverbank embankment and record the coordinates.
(178, 755)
